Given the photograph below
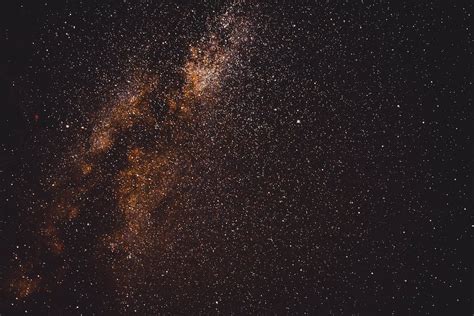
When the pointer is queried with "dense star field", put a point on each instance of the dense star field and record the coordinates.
(238, 157)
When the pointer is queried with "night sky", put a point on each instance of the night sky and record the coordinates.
(246, 157)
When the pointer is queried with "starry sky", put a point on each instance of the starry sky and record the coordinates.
(235, 157)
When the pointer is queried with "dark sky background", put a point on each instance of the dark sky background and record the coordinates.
(318, 161)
